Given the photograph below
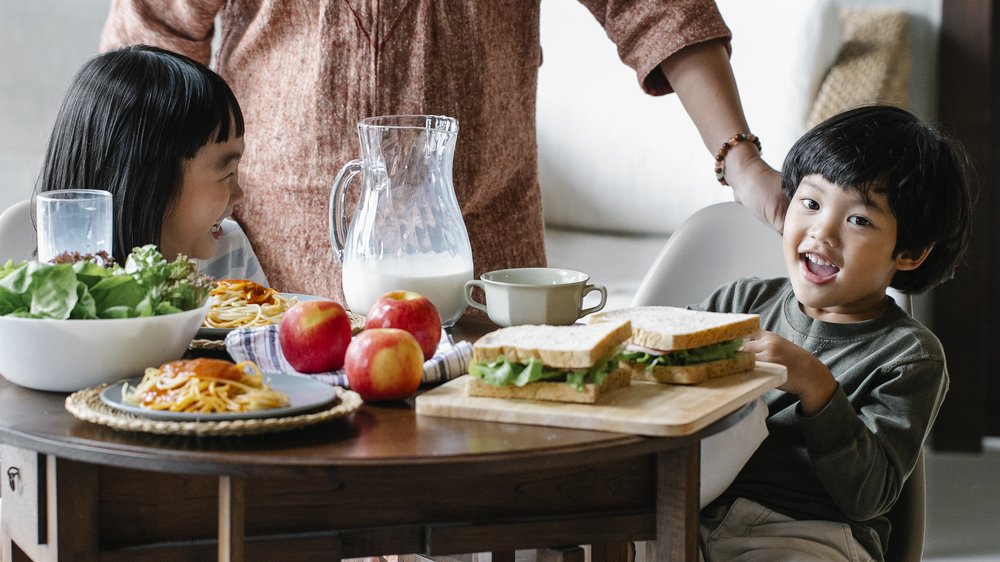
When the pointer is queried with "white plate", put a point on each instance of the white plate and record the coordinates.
(221, 333)
(304, 394)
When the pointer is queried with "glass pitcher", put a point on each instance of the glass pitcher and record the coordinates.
(407, 231)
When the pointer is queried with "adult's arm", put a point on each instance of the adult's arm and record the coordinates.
(702, 78)
(182, 26)
(682, 46)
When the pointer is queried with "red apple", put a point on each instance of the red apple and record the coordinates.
(314, 336)
(408, 311)
(384, 364)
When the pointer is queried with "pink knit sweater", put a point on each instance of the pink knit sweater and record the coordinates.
(305, 71)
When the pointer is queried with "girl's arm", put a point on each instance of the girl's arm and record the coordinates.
(182, 26)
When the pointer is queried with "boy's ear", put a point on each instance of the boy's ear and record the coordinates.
(905, 262)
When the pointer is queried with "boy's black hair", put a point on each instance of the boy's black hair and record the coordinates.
(922, 173)
(129, 120)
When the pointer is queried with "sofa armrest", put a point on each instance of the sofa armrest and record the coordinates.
(873, 66)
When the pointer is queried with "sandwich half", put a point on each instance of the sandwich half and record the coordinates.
(558, 363)
(680, 346)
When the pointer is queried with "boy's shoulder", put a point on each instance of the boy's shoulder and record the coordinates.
(908, 333)
(749, 294)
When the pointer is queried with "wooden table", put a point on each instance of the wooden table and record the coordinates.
(380, 481)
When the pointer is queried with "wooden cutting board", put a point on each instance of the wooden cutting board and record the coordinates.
(659, 410)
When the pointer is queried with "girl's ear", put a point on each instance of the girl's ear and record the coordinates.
(904, 261)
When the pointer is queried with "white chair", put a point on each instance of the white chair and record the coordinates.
(17, 233)
(719, 244)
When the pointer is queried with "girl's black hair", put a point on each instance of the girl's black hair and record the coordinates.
(129, 120)
(922, 173)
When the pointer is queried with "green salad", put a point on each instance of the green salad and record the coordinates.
(148, 285)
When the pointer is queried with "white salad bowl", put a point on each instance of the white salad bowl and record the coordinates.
(68, 355)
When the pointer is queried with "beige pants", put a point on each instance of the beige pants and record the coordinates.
(751, 532)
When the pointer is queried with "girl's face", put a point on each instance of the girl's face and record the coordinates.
(838, 251)
(210, 188)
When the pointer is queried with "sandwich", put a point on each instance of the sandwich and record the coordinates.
(680, 346)
(575, 363)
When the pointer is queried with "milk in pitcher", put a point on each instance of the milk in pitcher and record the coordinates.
(439, 278)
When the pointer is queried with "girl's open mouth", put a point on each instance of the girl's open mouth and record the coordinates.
(216, 231)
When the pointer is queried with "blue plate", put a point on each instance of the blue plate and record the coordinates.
(304, 394)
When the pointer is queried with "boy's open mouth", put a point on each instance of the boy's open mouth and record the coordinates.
(216, 230)
(820, 268)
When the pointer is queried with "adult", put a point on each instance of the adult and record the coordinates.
(305, 71)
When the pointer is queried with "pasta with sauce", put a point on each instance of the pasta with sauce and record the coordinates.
(204, 386)
(241, 302)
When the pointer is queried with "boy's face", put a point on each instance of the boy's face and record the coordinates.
(838, 251)
(209, 190)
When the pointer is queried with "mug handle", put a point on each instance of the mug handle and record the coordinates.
(338, 204)
(469, 286)
(587, 289)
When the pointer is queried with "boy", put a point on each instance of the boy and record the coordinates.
(878, 199)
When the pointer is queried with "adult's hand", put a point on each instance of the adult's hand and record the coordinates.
(703, 79)
(757, 186)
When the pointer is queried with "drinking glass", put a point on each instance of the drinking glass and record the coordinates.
(73, 220)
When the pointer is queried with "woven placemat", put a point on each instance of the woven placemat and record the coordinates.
(86, 405)
(214, 345)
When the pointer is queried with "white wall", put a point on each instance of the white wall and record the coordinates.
(42, 44)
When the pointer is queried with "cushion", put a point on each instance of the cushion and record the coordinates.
(612, 158)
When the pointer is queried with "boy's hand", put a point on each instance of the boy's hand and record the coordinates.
(808, 377)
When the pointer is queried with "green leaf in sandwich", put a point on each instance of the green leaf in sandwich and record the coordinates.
(556, 363)
(681, 346)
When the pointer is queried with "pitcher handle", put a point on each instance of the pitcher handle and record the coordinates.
(338, 203)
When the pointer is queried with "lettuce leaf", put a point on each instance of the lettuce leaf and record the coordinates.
(502, 372)
(704, 354)
(148, 285)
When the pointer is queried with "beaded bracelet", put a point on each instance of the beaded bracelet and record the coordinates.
(720, 157)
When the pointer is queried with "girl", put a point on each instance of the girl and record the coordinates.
(163, 134)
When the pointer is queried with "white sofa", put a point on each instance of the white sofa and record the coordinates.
(620, 170)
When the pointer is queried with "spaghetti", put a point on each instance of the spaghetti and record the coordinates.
(204, 386)
(240, 302)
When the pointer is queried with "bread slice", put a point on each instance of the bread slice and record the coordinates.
(668, 328)
(551, 391)
(563, 347)
(693, 374)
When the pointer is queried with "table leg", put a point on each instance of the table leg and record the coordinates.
(569, 554)
(232, 519)
(502, 556)
(72, 509)
(612, 552)
(678, 483)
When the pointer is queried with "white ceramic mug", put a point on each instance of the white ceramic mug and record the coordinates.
(534, 295)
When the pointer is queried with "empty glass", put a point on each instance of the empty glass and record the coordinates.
(73, 220)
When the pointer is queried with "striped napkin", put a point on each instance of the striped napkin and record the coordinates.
(261, 345)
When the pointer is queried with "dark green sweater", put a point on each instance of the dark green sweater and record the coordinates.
(848, 462)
